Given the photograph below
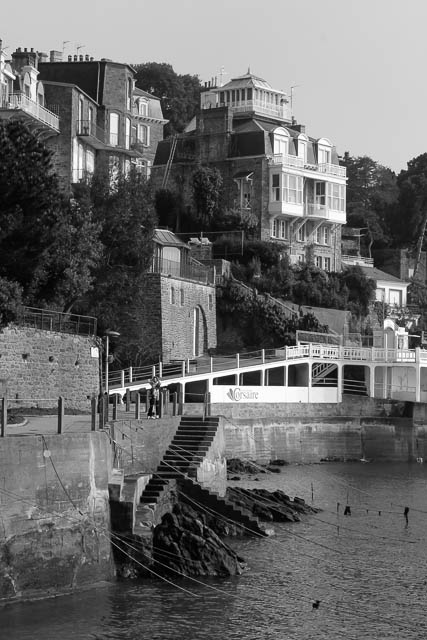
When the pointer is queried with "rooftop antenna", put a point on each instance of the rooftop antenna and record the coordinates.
(294, 86)
(80, 46)
(64, 43)
(222, 72)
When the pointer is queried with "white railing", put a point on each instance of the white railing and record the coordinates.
(260, 107)
(21, 101)
(287, 160)
(361, 260)
(294, 161)
(332, 169)
(229, 365)
(314, 210)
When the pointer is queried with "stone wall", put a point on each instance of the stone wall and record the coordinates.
(167, 319)
(55, 514)
(37, 366)
(309, 433)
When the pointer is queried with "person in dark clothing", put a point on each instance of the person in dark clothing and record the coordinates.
(153, 410)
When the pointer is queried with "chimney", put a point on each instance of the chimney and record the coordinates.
(55, 56)
(75, 58)
(43, 57)
(87, 58)
(81, 58)
(92, 59)
(70, 58)
(20, 59)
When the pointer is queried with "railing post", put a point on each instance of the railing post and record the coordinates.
(183, 369)
(115, 406)
(3, 417)
(130, 374)
(137, 406)
(127, 399)
(93, 404)
(181, 400)
(160, 369)
(159, 409)
(106, 401)
(187, 364)
(122, 378)
(237, 360)
(263, 356)
(153, 370)
(211, 364)
(60, 414)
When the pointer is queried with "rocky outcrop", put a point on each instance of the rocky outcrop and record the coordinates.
(269, 506)
(184, 543)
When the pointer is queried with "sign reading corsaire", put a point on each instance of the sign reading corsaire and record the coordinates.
(236, 394)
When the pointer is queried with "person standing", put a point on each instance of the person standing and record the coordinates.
(155, 383)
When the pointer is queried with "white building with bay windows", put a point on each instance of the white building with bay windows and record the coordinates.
(291, 182)
(307, 204)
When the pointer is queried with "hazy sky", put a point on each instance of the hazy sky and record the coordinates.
(360, 65)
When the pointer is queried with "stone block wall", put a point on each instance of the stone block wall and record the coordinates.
(55, 514)
(37, 366)
(167, 321)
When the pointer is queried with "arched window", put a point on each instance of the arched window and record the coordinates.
(281, 142)
(114, 129)
(302, 147)
(324, 151)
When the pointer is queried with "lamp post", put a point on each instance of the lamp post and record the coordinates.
(108, 334)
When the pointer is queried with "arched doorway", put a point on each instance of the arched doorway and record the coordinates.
(199, 332)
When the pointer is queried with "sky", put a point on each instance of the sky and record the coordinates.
(357, 66)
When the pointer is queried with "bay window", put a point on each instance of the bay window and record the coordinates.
(336, 197)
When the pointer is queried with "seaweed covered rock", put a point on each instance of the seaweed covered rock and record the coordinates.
(183, 543)
(270, 506)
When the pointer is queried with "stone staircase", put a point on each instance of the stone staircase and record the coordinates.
(177, 472)
(189, 446)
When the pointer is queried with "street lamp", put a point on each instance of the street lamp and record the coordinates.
(108, 334)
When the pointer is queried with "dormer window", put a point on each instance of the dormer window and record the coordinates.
(142, 107)
(302, 147)
(281, 142)
(323, 151)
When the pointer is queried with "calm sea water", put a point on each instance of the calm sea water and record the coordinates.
(369, 571)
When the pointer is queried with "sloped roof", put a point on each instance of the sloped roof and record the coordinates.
(249, 80)
(167, 239)
(377, 274)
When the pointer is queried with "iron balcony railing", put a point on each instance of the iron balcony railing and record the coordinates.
(89, 128)
(21, 101)
(187, 270)
(56, 321)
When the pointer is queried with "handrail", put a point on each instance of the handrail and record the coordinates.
(21, 101)
(240, 361)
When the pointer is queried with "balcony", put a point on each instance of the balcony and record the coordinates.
(295, 162)
(282, 112)
(186, 270)
(314, 210)
(32, 112)
(362, 261)
(95, 136)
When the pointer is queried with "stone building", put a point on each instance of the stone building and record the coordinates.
(22, 93)
(292, 182)
(178, 318)
(88, 112)
(106, 121)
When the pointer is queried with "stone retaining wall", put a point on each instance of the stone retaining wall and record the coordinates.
(37, 366)
(55, 514)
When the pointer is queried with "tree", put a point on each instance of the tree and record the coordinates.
(371, 197)
(48, 246)
(179, 94)
(409, 222)
(207, 184)
(127, 221)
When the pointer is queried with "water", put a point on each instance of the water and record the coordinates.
(369, 572)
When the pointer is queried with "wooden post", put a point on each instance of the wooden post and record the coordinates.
(115, 406)
(137, 406)
(3, 417)
(127, 399)
(174, 403)
(208, 404)
(60, 414)
(147, 400)
(93, 404)
(181, 399)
